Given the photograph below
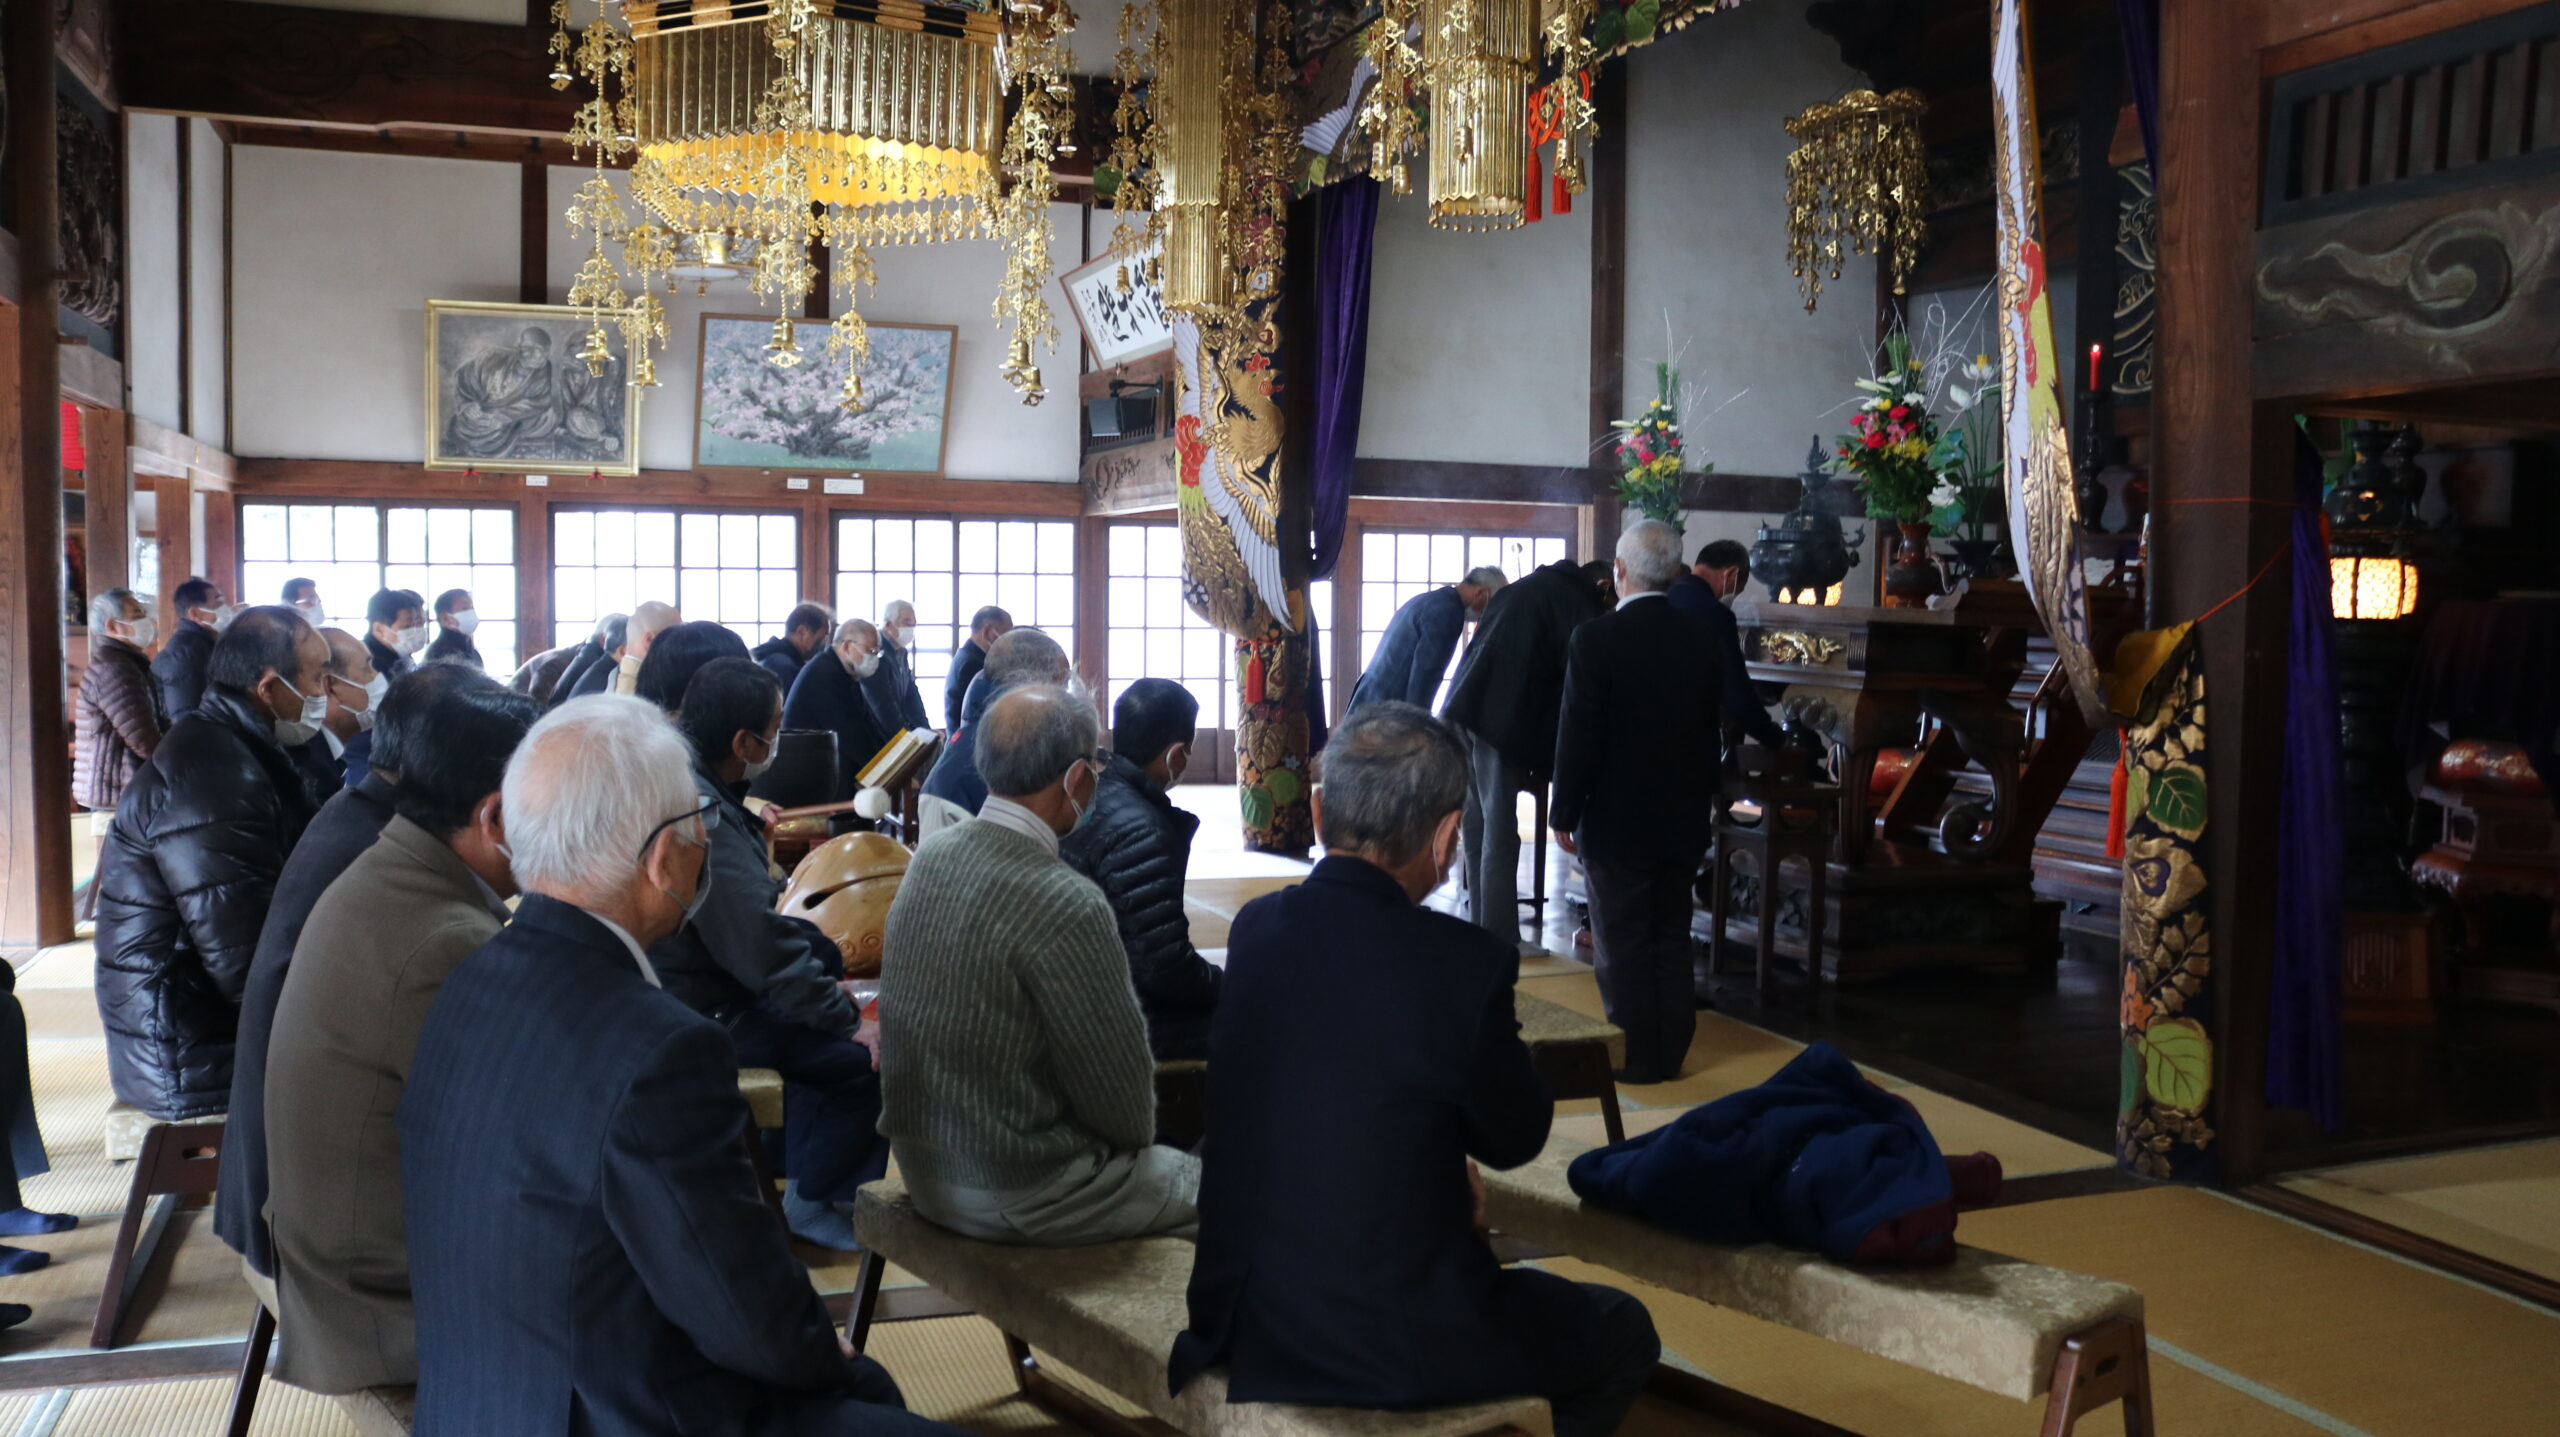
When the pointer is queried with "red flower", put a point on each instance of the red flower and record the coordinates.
(1901, 411)
(1875, 441)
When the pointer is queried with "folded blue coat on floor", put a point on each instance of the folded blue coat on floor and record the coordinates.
(1816, 1157)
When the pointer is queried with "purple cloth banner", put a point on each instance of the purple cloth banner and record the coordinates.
(2138, 22)
(1346, 218)
(2303, 1026)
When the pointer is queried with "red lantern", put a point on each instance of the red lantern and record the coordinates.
(75, 454)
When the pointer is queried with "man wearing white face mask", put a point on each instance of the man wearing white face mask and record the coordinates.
(772, 980)
(343, 750)
(192, 859)
(895, 699)
(396, 625)
(179, 670)
(828, 695)
(583, 1230)
(1015, 1080)
(456, 621)
(303, 597)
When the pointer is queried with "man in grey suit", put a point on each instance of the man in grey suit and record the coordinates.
(370, 961)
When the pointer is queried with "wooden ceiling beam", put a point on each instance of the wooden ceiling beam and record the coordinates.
(419, 143)
(337, 69)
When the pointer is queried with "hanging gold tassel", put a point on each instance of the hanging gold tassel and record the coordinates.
(1857, 182)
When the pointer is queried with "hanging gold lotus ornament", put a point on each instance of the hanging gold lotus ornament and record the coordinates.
(771, 126)
(1476, 65)
(1857, 182)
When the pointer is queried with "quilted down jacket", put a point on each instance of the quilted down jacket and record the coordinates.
(1135, 846)
(184, 879)
(120, 722)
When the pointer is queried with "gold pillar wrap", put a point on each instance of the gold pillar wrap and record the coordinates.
(1191, 151)
(1476, 63)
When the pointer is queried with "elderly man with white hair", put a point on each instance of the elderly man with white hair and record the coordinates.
(645, 624)
(1015, 1081)
(585, 1236)
(895, 699)
(829, 695)
(1638, 755)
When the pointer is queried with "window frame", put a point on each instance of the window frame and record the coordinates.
(797, 514)
(382, 561)
(835, 515)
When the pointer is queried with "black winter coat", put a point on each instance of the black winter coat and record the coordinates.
(827, 697)
(180, 668)
(453, 646)
(184, 880)
(778, 658)
(1135, 846)
(1511, 682)
(966, 661)
(120, 722)
(387, 661)
(895, 699)
(588, 656)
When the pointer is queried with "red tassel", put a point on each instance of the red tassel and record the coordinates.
(1253, 680)
(1530, 213)
(1564, 198)
(2115, 804)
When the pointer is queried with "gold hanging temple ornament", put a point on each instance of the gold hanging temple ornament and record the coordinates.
(777, 125)
(1857, 182)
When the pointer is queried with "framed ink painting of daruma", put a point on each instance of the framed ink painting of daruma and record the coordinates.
(750, 413)
(508, 393)
(1119, 324)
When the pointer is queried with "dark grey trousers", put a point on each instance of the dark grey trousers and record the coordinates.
(1642, 954)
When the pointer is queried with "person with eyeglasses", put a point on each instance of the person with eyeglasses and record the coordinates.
(192, 858)
(773, 980)
(1015, 1081)
(584, 1232)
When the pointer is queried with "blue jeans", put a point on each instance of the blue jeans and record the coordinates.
(831, 1141)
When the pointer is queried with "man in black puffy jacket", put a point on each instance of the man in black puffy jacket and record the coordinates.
(1135, 846)
(191, 862)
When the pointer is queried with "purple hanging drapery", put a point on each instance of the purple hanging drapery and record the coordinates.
(2303, 1033)
(1346, 218)
(2138, 22)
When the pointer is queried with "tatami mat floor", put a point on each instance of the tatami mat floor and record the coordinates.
(2259, 1325)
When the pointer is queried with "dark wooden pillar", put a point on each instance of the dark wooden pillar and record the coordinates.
(1608, 201)
(220, 560)
(2214, 444)
(174, 501)
(533, 576)
(533, 250)
(35, 793)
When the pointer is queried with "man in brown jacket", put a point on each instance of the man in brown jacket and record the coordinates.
(376, 949)
(120, 717)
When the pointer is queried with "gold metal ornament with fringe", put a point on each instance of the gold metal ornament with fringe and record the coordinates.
(1477, 61)
(1857, 183)
(772, 126)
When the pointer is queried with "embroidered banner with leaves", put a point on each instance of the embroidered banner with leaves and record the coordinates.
(2163, 1127)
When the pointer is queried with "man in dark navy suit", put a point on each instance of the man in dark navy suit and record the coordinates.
(1638, 758)
(586, 1245)
(1339, 1258)
(1722, 569)
(1413, 654)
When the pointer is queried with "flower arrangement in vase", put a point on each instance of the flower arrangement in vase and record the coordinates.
(1966, 505)
(1652, 455)
(1896, 453)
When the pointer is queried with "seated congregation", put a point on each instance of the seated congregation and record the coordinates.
(475, 1014)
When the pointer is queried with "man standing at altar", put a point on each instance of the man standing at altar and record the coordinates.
(1636, 766)
(1722, 569)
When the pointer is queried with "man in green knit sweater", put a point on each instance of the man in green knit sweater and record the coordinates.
(1016, 1085)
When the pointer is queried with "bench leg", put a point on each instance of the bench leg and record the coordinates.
(753, 1141)
(253, 1371)
(866, 1299)
(177, 1161)
(2108, 1363)
(1060, 1400)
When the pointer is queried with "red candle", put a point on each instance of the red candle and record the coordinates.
(2093, 369)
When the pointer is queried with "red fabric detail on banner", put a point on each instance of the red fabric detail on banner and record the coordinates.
(2115, 803)
(1529, 211)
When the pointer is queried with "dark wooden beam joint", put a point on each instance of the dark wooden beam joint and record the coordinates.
(233, 60)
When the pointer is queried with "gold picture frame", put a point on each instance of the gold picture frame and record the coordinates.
(508, 394)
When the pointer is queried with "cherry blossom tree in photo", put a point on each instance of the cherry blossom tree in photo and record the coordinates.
(801, 411)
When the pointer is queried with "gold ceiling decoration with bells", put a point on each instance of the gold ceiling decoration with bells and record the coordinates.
(1475, 63)
(1857, 182)
(767, 127)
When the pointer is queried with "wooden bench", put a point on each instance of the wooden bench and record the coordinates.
(1111, 1312)
(2015, 1328)
(1576, 1055)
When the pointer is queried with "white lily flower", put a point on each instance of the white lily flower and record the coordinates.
(1944, 495)
(1959, 396)
(1914, 396)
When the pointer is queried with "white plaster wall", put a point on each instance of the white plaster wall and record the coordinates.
(1479, 344)
(334, 259)
(1706, 239)
(992, 434)
(151, 266)
(208, 314)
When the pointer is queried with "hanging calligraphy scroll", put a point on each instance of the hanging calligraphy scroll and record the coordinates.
(2041, 522)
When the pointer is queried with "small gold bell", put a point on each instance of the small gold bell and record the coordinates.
(784, 348)
(597, 353)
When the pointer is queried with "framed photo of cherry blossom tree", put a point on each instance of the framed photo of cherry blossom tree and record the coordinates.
(752, 414)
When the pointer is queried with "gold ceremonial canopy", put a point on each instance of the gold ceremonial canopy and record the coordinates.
(769, 127)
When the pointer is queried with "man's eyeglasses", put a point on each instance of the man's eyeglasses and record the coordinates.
(709, 813)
